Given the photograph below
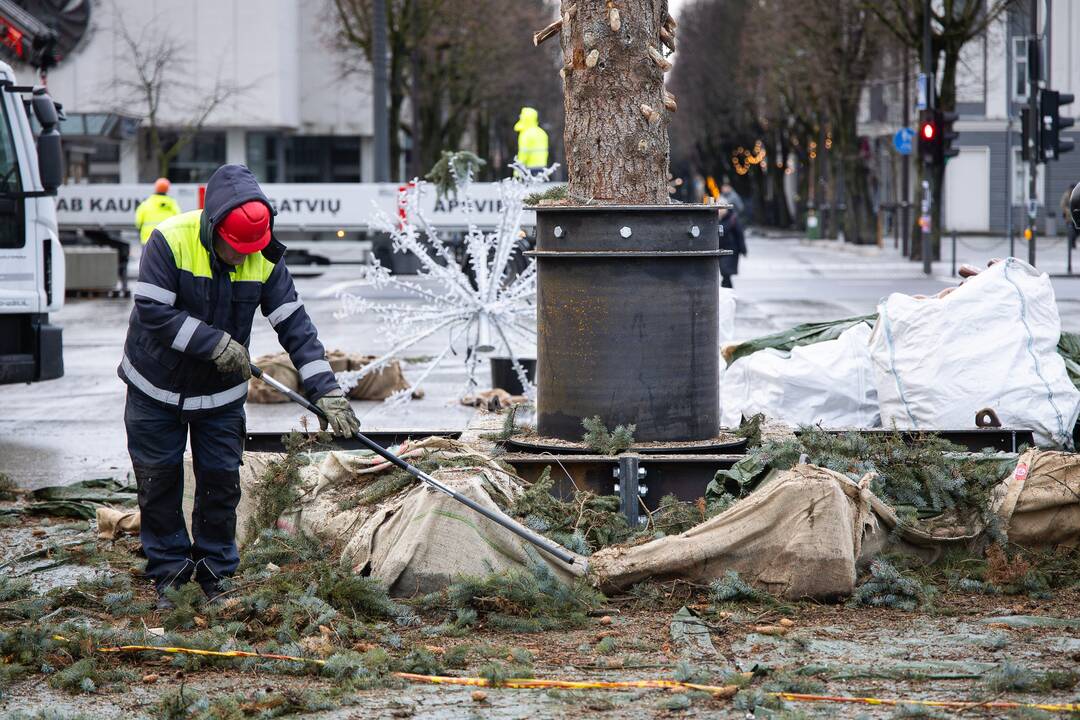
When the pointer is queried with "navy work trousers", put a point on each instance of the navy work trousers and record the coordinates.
(156, 441)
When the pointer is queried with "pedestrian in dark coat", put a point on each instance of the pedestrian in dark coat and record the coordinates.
(731, 238)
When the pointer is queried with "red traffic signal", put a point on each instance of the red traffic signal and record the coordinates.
(928, 136)
(936, 136)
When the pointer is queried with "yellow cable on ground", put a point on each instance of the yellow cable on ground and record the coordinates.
(729, 690)
(525, 683)
(194, 651)
(951, 704)
(722, 691)
(210, 653)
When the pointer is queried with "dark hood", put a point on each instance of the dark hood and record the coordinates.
(229, 187)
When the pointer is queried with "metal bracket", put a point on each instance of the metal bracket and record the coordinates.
(629, 487)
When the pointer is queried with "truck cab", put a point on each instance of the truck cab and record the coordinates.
(31, 258)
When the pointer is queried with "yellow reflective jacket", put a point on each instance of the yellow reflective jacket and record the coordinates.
(532, 140)
(186, 299)
(152, 211)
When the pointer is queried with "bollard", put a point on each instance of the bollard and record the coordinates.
(954, 253)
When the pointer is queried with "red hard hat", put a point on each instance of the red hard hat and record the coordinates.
(161, 186)
(247, 227)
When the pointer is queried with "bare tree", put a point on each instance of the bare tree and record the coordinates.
(715, 115)
(463, 65)
(953, 24)
(746, 111)
(158, 83)
(409, 24)
(840, 45)
(522, 76)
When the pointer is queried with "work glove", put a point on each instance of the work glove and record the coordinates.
(230, 357)
(339, 414)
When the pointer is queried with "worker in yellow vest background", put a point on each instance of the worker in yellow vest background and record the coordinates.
(155, 209)
(532, 140)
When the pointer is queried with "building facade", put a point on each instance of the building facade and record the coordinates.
(282, 101)
(986, 185)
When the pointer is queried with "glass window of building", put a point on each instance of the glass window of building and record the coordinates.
(1020, 68)
(196, 161)
(322, 159)
(265, 155)
(92, 145)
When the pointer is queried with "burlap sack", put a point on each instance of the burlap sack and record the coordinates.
(493, 400)
(112, 523)
(251, 478)
(418, 540)
(378, 385)
(1039, 503)
(797, 537)
(805, 533)
(425, 540)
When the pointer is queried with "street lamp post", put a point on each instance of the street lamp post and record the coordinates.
(1034, 125)
(380, 119)
(931, 91)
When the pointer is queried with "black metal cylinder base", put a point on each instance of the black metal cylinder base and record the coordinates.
(627, 320)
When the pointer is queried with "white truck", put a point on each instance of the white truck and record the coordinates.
(305, 211)
(321, 223)
(31, 259)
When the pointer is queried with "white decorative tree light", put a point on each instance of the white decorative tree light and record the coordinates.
(479, 305)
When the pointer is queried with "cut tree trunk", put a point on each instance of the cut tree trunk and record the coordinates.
(613, 80)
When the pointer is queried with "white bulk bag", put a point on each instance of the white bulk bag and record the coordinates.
(991, 343)
(828, 383)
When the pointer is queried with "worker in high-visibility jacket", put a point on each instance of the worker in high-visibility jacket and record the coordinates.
(202, 276)
(532, 140)
(154, 209)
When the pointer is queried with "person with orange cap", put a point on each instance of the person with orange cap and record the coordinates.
(154, 209)
(202, 275)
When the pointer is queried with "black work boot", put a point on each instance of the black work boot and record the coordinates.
(164, 604)
(212, 592)
(176, 580)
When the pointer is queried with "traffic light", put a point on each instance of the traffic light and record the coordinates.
(1025, 137)
(945, 122)
(936, 136)
(929, 136)
(1051, 142)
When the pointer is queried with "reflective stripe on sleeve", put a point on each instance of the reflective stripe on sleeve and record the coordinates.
(314, 368)
(183, 335)
(284, 312)
(154, 292)
(147, 387)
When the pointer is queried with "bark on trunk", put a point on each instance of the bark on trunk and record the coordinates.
(616, 123)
